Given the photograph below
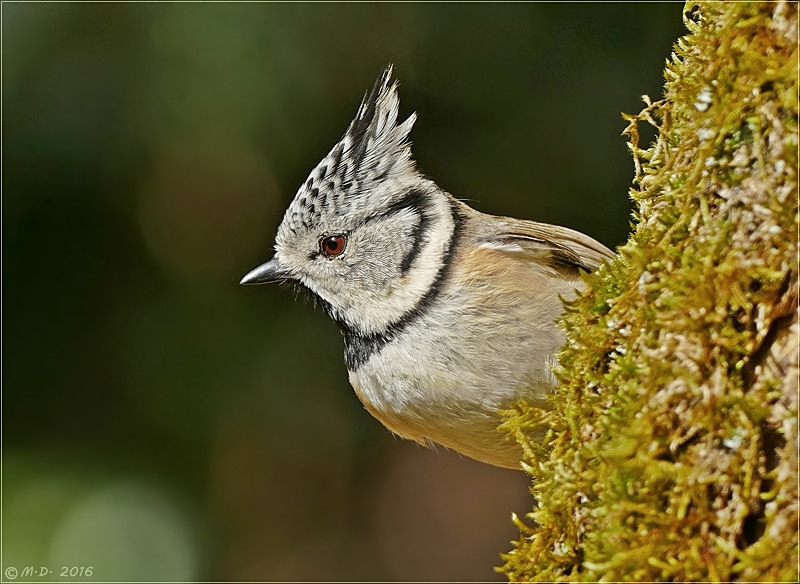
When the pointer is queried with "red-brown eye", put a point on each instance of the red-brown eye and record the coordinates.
(332, 245)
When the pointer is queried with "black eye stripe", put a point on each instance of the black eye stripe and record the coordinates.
(417, 235)
(415, 200)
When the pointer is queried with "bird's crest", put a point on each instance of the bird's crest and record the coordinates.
(374, 149)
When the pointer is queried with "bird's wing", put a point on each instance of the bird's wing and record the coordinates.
(563, 250)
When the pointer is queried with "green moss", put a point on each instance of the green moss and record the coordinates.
(671, 448)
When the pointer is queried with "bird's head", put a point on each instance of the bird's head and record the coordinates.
(366, 232)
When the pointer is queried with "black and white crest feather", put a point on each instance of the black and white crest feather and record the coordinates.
(373, 151)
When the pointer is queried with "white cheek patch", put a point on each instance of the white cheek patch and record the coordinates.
(391, 292)
(381, 249)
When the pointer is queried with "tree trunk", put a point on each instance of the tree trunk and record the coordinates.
(672, 448)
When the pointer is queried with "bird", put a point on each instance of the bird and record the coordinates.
(448, 314)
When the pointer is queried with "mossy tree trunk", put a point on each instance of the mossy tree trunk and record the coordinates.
(672, 448)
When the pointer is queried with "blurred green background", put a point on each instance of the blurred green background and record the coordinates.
(161, 422)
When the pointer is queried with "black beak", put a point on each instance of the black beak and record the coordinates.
(272, 271)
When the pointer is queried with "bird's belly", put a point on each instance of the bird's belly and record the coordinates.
(447, 378)
(462, 426)
(430, 395)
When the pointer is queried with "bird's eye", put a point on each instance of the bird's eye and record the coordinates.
(332, 245)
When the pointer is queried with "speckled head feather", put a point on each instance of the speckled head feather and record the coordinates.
(373, 151)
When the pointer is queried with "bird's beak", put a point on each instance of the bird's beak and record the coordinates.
(272, 271)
